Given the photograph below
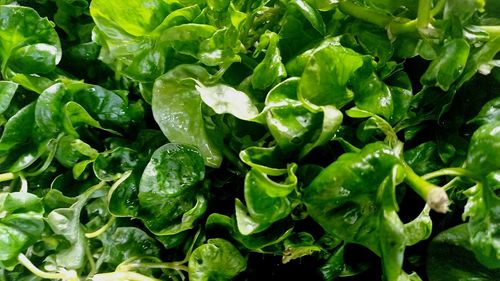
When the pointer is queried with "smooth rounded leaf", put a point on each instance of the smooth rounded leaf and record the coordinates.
(37, 58)
(173, 169)
(217, 260)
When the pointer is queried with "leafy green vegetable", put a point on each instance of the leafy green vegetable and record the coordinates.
(249, 140)
(460, 263)
(168, 199)
(216, 260)
(21, 224)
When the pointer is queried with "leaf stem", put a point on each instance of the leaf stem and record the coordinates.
(52, 153)
(7, 177)
(492, 30)
(69, 275)
(457, 172)
(191, 247)
(229, 155)
(116, 184)
(93, 189)
(435, 196)
(127, 275)
(393, 25)
(366, 14)
(102, 229)
(90, 258)
(408, 26)
(438, 7)
(24, 183)
(449, 185)
(424, 14)
(161, 265)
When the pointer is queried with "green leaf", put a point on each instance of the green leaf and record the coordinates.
(12, 133)
(312, 15)
(169, 201)
(66, 222)
(123, 199)
(334, 265)
(424, 158)
(490, 112)
(266, 200)
(294, 126)
(270, 68)
(70, 150)
(110, 166)
(186, 38)
(448, 67)
(327, 73)
(216, 260)
(222, 48)
(132, 19)
(343, 197)
(225, 99)
(374, 95)
(7, 91)
(257, 241)
(391, 228)
(299, 245)
(48, 115)
(38, 58)
(29, 43)
(484, 150)
(128, 242)
(76, 116)
(127, 36)
(484, 221)
(177, 110)
(450, 257)
(110, 109)
(21, 223)
(264, 159)
(418, 229)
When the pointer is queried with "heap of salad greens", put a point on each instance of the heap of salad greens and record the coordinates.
(195, 140)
